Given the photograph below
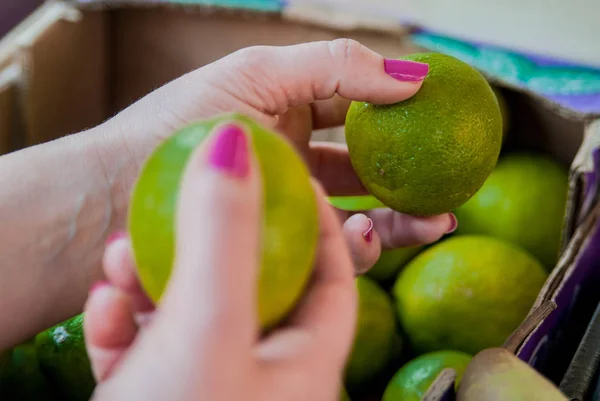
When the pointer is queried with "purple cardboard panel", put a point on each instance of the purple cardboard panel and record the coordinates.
(573, 87)
(591, 186)
(584, 277)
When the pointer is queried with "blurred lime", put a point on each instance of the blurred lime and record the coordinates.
(391, 262)
(4, 372)
(64, 361)
(375, 341)
(344, 395)
(523, 202)
(413, 380)
(355, 203)
(466, 293)
(23, 379)
(290, 230)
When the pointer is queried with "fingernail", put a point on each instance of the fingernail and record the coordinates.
(404, 70)
(99, 284)
(115, 236)
(368, 235)
(229, 152)
(453, 224)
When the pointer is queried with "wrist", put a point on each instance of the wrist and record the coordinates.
(119, 166)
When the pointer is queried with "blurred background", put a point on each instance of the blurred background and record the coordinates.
(13, 11)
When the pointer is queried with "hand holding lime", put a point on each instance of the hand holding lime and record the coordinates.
(428, 154)
(290, 230)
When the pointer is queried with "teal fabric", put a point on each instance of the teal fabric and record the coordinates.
(259, 5)
(548, 78)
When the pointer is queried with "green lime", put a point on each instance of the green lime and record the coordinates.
(4, 362)
(375, 341)
(23, 379)
(413, 380)
(291, 225)
(391, 262)
(428, 154)
(523, 202)
(5, 359)
(466, 293)
(344, 395)
(64, 361)
(355, 203)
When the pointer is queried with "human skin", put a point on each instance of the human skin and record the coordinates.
(205, 330)
(60, 200)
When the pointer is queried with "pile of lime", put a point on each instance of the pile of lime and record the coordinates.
(50, 367)
(421, 309)
(437, 152)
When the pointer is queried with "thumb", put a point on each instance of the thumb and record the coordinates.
(218, 221)
(296, 75)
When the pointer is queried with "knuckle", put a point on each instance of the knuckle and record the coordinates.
(253, 56)
(344, 49)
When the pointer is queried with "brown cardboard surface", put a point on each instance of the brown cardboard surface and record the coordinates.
(62, 54)
(145, 57)
(11, 118)
(66, 88)
(6, 117)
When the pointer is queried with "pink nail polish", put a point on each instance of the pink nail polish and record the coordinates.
(99, 284)
(453, 224)
(404, 70)
(229, 151)
(115, 236)
(368, 235)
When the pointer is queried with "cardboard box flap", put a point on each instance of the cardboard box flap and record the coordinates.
(62, 52)
(442, 388)
(572, 286)
(9, 115)
(26, 33)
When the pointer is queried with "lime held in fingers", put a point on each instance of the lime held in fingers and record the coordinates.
(429, 154)
(290, 218)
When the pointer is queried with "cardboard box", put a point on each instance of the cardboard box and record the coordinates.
(71, 66)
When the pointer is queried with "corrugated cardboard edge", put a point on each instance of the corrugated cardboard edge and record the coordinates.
(11, 119)
(561, 272)
(583, 163)
(14, 65)
(43, 45)
(442, 385)
(27, 32)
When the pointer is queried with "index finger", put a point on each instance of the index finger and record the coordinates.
(328, 311)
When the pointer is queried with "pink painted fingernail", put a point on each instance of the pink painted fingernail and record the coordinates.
(229, 152)
(368, 235)
(453, 224)
(99, 284)
(115, 236)
(404, 70)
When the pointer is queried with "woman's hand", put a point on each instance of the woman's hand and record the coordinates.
(295, 90)
(60, 200)
(203, 340)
